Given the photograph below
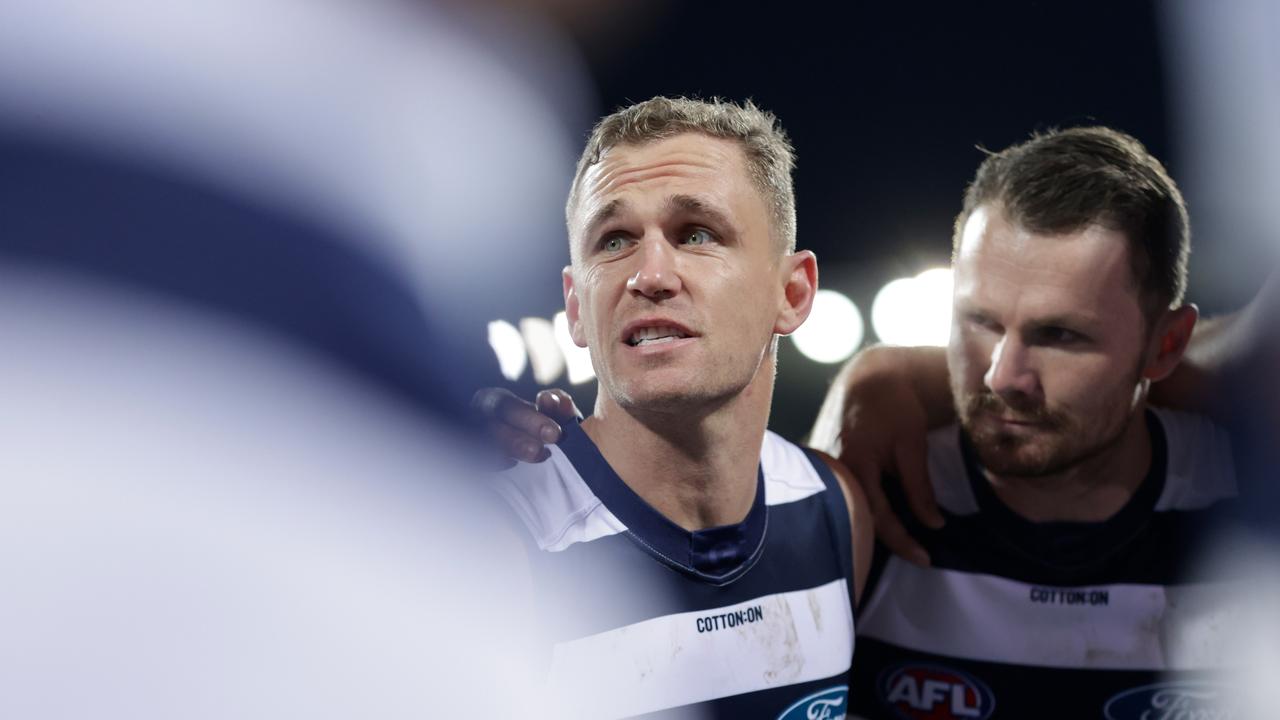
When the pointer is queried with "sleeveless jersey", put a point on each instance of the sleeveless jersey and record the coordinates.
(752, 620)
(1017, 619)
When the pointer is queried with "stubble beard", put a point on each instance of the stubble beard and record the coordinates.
(1007, 453)
(1055, 441)
(696, 395)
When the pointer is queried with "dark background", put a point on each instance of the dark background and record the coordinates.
(887, 105)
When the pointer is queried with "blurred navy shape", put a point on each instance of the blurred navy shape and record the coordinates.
(76, 209)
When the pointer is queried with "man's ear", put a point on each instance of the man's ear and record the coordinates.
(800, 284)
(1169, 342)
(571, 309)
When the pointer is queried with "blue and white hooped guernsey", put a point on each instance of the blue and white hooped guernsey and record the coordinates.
(753, 620)
(1014, 619)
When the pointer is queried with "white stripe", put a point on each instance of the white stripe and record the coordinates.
(1200, 469)
(947, 472)
(788, 474)
(984, 617)
(666, 662)
(559, 509)
(555, 503)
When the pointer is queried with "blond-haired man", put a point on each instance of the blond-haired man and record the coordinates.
(688, 560)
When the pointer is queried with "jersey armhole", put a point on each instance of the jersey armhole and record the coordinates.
(839, 521)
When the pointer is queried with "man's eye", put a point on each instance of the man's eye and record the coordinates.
(982, 321)
(1059, 336)
(613, 243)
(697, 236)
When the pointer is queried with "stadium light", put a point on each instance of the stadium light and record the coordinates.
(507, 344)
(833, 331)
(914, 311)
(544, 350)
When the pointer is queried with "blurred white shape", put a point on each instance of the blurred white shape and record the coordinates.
(189, 503)
(382, 120)
(1226, 105)
(933, 289)
(914, 311)
(1250, 631)
(891, 311)
(544, 352)
(507, 344)
(577, 358)
(833, 331)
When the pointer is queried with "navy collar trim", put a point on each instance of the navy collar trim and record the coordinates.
(719, 554)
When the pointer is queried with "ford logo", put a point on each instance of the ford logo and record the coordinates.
(1171, 701)
(829, 704)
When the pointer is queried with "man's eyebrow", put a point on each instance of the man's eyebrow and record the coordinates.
(1069, 320)
(686, 204)
(691, 205)
(610, 210)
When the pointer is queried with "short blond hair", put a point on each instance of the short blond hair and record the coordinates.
(770, 156)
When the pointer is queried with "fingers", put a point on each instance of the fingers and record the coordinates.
(558, 405)
(913, 470)
(487, 402)
(517, 426)
(516, 444)
(889, 530)
(525, 418)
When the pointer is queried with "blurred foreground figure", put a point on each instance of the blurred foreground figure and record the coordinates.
(1226, 109)
(232, 479)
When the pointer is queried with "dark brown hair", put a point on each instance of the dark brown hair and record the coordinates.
(1062, 181)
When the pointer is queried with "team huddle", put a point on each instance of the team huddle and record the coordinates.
(1007, 528)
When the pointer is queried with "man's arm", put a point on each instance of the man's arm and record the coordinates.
(1228, 357)
(875, 419)
(879, 375)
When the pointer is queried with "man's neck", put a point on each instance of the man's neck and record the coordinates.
(1092, 490)
(699, 469)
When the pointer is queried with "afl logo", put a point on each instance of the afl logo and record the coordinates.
(829, 704)
(934, 692)
(1171, 701)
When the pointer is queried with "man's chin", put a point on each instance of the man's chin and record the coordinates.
(1009, 457)
(669, 398)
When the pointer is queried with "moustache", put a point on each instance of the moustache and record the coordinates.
(988, 403)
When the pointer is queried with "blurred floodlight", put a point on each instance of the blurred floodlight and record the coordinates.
(933, 288)
(507, 344)
(833, 331)
(914, 311)
(578, 359)
(891, 311)
(544, 352)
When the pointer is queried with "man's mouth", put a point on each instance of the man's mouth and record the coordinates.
(1014, 421)
(989, 407)
(655, 335)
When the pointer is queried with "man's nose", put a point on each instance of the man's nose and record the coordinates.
(1011, 374)
(656, 277)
